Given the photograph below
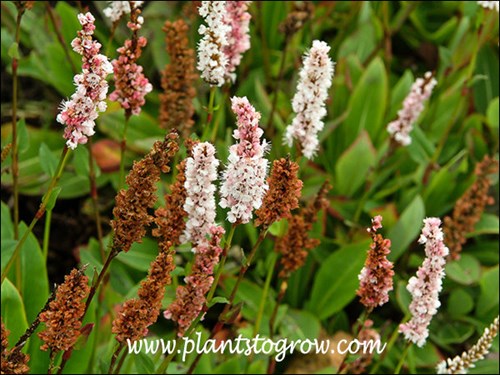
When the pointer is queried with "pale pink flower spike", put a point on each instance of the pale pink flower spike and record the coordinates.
(426, 285)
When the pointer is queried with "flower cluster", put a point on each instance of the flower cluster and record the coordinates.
(238, 19)
(425, 287)
(375, 279)
(283, 195)
(176, 110)
(79, 113)
(365, 358)
(131, 86)
(191, 298)
(137, 314)
(131, 208)
(212, 61)
(170, 219)
(413, 106)
(294, 246)
(300, 14)
(489, 4)
(469, 207)
(201, 171)
(63, 318)
(460, 364)
(12, 361)
(117, 9)
(244, 180)
(315, 78)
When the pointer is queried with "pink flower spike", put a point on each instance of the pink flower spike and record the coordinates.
(427, 284)
(413, 106)
(244, 180)
(315, 78)
(201, 171)
(212, 61)
(238, 18)
(131, 85)
(80, 112)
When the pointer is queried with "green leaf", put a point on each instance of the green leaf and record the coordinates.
(407, 228)
(229, 366)
(354, 164)
(367, 104)
(7, 231)
(337, 280)
(35, 281)
(140, 255)
(51, 202)
(460, 303)
(144, 364)
(488, 224)
(403, 296)
(13, 314)
(81, 161)
(399, 93)
(23, 140)
(300, 325)
(14, 51)
(451, 332)
(218, 299)
(492, 114)
(48, 161)
(465, 271)
(487, 302)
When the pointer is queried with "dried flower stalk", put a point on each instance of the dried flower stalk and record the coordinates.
(469, 208)
(63, 318)
(283, 195)
(376, 276)
(13, 361)
(294, 246)
(131, 209)
(178, 78)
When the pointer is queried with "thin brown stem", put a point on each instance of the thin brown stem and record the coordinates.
(115, 357)
(60, 37)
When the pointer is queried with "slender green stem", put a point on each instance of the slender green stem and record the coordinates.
(41, 210)
(95, 205)
(123, 146)
(265, 292)
(220, 269)
(263, 39)
(402, 359)
(46, 235)
(213, 137)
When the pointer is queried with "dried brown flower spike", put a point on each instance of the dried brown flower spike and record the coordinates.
(137, 314)
(469, 208)
(300, 14)
(63, 318)
(131, 210)
(176, 110)
(170, 219)
(296, 242)
(283, 194)
(13, 361)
